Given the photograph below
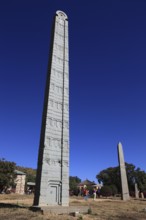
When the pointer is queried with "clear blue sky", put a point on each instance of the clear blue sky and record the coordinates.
(107, 80)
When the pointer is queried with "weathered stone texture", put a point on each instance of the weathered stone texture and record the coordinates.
(20, 184)
(136, 191)
(124, 183)
(52, 186)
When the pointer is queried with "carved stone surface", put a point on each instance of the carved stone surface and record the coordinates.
(52, 184)
(124, 183)
(136, 191)
(20, 183)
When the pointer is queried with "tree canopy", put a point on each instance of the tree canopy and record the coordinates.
(73, 182)
(30, 173)
(7, 174)
(111, 177)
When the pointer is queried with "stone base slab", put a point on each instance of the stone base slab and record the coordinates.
(61, 209)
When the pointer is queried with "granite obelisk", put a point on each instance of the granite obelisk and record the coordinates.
(136, 191)
(124, 183)
(52, 182)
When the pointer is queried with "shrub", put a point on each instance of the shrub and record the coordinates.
(89, 211)
(114, 189)
(106, 191)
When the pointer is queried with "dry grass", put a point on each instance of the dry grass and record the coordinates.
(16, 207)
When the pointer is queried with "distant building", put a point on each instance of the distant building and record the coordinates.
(20, 182)
(87, 183)
(30, 187)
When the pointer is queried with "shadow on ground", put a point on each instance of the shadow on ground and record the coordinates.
(8, 205)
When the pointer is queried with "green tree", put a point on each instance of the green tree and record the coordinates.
(30, 173)
(106, 191)
(111, 176)
(131, 175)
(7, 175)
(140, 179)
(114, 189)
(73, 182)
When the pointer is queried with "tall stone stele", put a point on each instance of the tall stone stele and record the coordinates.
(52, 182)
(124, 183)
(136, 191)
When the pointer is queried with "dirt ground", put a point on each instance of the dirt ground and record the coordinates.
(16, 207)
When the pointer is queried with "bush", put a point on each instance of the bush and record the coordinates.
(89, 211)
(106, 191)
(114, 189)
